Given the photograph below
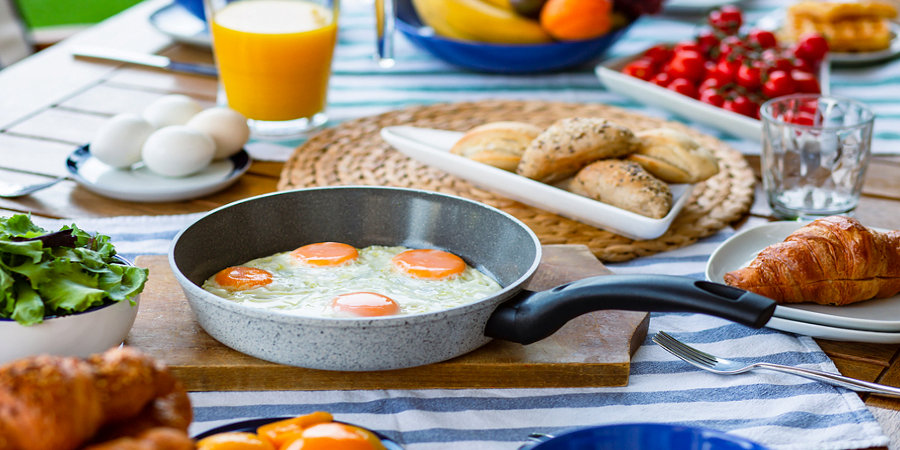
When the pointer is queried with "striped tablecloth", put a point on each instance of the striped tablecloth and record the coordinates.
(781, 411)
(359, 87)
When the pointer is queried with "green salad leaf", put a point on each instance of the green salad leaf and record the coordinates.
(45, 273)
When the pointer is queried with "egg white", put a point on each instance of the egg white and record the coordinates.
(306, 290)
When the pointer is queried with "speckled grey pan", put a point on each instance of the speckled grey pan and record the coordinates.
(486, 238)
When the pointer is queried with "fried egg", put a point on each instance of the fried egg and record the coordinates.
(331, 279)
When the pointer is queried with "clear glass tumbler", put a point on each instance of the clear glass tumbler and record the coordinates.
(274, 59)
(815, 153)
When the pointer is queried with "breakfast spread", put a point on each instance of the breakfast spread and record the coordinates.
(832, 261)
(337, 280)
(732, 70)
(45, 274)
(120, 399)
(588, 151)
(174, 137)
(847, 26)
(313, 431)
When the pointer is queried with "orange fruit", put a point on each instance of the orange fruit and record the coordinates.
(335, 436)
(278, 433)
(572, 20)
(234, 440)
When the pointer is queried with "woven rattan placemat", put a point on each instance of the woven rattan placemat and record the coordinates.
(353, 153)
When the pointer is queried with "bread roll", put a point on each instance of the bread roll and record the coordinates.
(499, 144)
(570, 144)
(674, 157)
(624, 184)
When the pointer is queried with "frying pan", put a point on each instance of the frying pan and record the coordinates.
(488, 239)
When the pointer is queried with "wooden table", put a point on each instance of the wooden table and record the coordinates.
(51, 103)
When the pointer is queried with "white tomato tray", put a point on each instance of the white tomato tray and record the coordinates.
(610, 74)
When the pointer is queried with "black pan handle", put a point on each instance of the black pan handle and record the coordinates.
(531, 316)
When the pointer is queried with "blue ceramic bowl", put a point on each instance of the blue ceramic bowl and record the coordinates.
(502, 58)
(194, 6)
(644, 436)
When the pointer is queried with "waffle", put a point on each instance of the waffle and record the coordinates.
(848, 27)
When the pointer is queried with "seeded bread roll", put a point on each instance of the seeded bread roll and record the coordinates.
(499, 144)
(674, 157)
(570, 144)
(624, 184)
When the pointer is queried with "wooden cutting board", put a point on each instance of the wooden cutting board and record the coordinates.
(592, 350)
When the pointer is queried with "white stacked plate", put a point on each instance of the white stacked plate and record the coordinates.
(876, 321)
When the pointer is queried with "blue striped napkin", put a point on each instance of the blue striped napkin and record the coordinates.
(781, 411)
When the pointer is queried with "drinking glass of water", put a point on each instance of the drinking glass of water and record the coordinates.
(815, 153)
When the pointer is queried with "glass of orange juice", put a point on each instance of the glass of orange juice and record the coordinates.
(274, 60)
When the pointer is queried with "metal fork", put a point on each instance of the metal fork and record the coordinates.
(723, 366)
(8, 190)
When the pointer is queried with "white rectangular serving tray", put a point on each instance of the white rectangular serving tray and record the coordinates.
(610, 74)
(432, 147)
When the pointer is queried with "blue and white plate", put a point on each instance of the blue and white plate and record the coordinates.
(139, 184)
(181, 25)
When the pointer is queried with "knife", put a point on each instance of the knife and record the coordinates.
(144, 59)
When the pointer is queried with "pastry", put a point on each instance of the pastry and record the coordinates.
(832, 261)
(61, 403)
(624, 184)
(499, 144)
(848, 27)
(674, 157)
(570, 144)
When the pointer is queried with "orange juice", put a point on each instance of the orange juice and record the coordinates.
(274, 57)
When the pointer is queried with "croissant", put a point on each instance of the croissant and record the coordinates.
(832, 261)
(61, 403)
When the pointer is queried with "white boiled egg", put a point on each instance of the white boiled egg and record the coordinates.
(177, 151)
(171, 110)
(118, 142)
(226, 126)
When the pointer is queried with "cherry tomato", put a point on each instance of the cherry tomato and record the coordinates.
(776, 61)
(687, 64)
(662, 79)
(707, 40)
(762, 38)
(811, 47)
(658, 54)
(805, 82)
(726, 71)
(802, 65)
(642, 68)
(729, 46)
(712, 97)
(741, 104)
(690, 46)
(727, 19)
(710, 83)
(683, 86)
(779, 83)
(748, 76)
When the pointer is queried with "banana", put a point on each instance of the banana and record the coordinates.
(502, 4)
(479, 20)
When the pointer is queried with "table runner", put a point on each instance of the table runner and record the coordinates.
(781, 411)
(360, 88)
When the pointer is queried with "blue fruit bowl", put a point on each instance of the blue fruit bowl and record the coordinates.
(502, 58)
(644, 436)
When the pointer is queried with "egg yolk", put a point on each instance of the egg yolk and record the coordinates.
(335, 436)
(234, 440)
(364, 304)
(241, 278)
(429, 264)
(326, 254)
